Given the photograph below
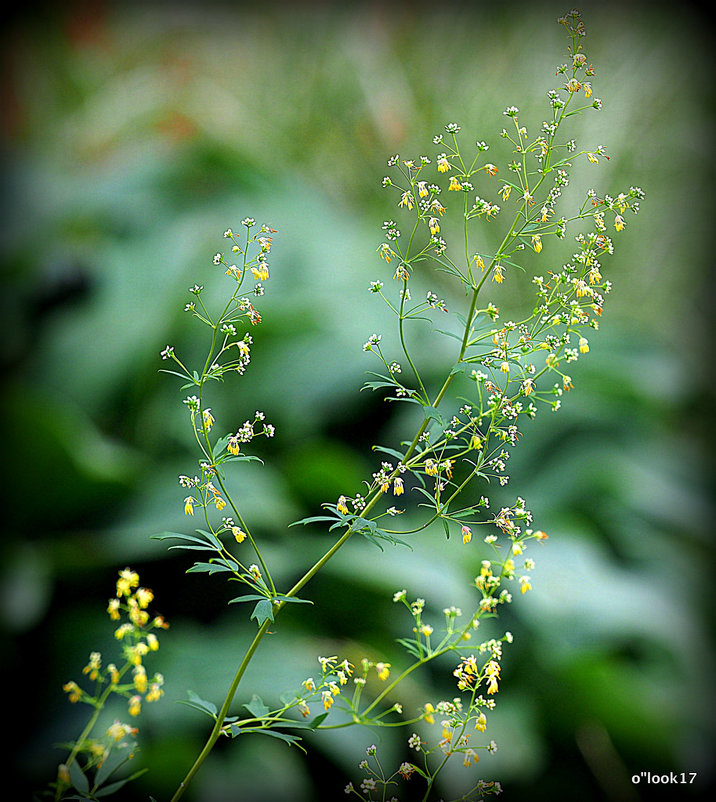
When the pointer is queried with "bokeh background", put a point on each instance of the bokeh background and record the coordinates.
(134, 134)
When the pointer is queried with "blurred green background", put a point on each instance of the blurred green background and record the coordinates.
(133, 135)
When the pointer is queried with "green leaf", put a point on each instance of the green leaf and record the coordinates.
(262, 612)
(211, 568)
(256, 707)
(248, 597)
(432, 413)
(316, 519)
(446, 528)
(199, 704)
(114, 787)
(410, 646)
(78, 778)
(393, 453)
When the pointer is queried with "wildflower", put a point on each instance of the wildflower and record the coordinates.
(443, 163)
(383, 670)
(127, 580)
(117, 730)
(135, 705)
(466, 534)
(592, 158)
(327, 698)
(140, 678)
(406, 199)
(304, 708)
(455, 185)
(239, 534)
(113, 609)
(189, 505)
(406, 770)
(208, 419)
(537, 243)
(423, 189)
(525, 584)
(414, 742)
(398, 486)
(155, 689)
(498, 274)
(470, 758)
(492, 671)
(144, 597)
(74, 690)
(619, 223)
(233, 445)
(490, 169)
(583, 345)
(429, 710)
(92, 668)
(481, 723)
(434, 225)
(152, 641)
(341, 505)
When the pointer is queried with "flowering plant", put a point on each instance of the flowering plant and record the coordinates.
(507, 372)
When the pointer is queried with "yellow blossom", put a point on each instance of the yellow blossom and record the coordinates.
(92, 668)
(127, 580)
(398, 486)
(470, 758)
(341, 505)
(140, 679)
(423, 189)
(260, 273)
(497, 274)
(74, 690)
(505, 192)
(434, 225)
(593, 158)
(406, 199)
(327, 698)
(135, 705)
(189, 505)
(619, 223)
(386, 252)
(383, 670)
(143, 596)
(455, 185)
(525, 584)
(429, 710)
(304, 708)
(481, 723)
(466, 535)
(152, 642)
(537, 243)
(239, 534)
(443, 164)
(208, 419)
(113, 609)
(155, 692)
(583, 345)
(233, 445)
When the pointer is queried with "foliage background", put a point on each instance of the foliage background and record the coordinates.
(133, 135)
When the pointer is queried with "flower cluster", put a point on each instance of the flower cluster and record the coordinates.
(127, 678)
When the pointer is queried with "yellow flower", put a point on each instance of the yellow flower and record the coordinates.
(524, 585)
(406, 199)
(383, 670)
(443, 164)
(92, 668)
(155, 692)
(475, 442)
(220, 503)
(478, 261)
(113, 609)
(189, 505)
(113, 673)
(466, 535)
(152, 642)
(304, 708)
(233, 445)
(455, 185)
(341, 505)
(528, 386)
(327, 698)
(143, 596)
(135, 705)
(619, 223)
(398, 486)
(208, 419)
(481, 723)
(239, 534)
(505, 192)
(434, 225)
(423, 189)
(498, 275)
(74, 691)
(537, 243)
(260, 273)
(386, 252)
(470, 758)
(429, 710)
(592, 158)
(583, 345)
(490, 169)
(127, 580)
(140, 679)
